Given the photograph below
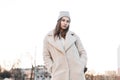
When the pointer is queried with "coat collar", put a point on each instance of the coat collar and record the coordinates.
(70, 39)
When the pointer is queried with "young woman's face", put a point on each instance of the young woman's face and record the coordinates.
(65, 21)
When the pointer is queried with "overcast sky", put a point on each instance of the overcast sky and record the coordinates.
(24, 23)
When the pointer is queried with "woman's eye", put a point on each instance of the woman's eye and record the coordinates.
(63, 19)
(68, 21)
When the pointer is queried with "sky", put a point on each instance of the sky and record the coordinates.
(24, 24)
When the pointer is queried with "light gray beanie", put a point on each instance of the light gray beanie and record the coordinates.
(63, 14)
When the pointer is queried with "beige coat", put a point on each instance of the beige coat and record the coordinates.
(64, 63)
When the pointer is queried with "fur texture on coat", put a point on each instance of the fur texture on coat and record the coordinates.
(64, 63)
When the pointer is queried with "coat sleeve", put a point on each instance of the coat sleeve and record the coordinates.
(82, 52)
(47, 56)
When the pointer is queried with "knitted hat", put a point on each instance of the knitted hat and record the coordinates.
(63, 14)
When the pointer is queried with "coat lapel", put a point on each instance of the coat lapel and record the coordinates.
(70, 39)
(56, 43)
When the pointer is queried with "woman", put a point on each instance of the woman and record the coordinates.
(63, 54)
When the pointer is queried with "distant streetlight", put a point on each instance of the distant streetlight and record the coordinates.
(118, 60)
(35, 64)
